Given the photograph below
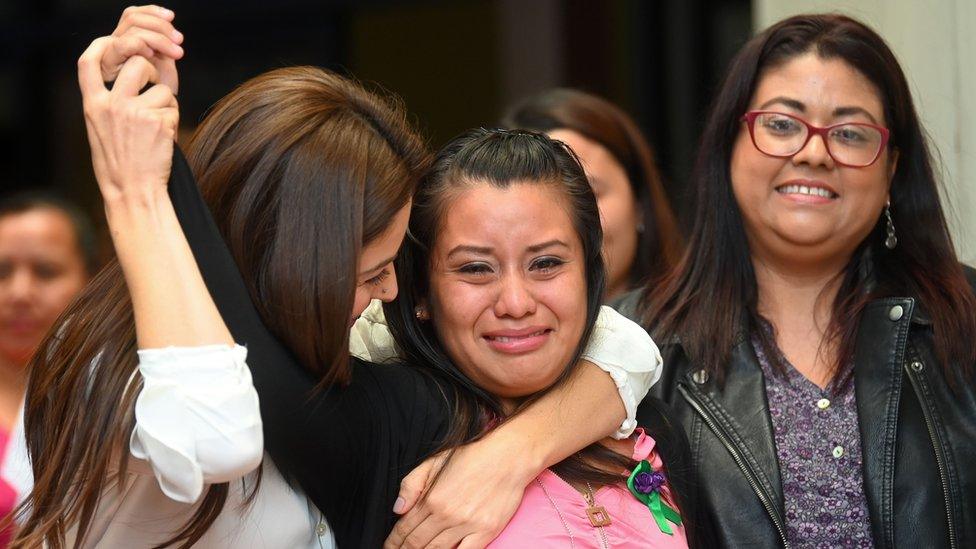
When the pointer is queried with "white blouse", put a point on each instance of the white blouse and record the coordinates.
(198, 423)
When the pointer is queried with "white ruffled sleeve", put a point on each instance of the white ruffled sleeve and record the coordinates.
(370, 337)
(624, 350)
(197, 418)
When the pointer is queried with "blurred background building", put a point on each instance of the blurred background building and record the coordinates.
(456, 64)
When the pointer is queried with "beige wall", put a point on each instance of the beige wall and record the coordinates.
(936, 45)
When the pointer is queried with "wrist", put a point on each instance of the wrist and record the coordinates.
(523, 455)
(147, 199)
(133, 211)
(144, 231)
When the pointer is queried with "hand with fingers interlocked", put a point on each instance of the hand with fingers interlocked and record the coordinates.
(146, 31)
(131, 134)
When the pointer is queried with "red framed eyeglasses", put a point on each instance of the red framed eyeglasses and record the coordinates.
(781, 135)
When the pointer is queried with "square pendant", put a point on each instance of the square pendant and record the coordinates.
(598, 516)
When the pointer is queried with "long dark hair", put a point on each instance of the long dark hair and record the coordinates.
(500, 158)
(711, 299)
(659, 244)
(300, 167)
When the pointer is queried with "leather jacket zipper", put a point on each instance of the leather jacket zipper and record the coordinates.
(912, 371)
(764, 497)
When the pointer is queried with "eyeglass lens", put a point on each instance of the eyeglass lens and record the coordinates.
(779, 134)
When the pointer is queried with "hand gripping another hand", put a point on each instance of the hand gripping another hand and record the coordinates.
(131, 134)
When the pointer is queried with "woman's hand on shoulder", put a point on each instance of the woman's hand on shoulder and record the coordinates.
(131, 134)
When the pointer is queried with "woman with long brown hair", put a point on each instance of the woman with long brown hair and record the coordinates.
(260, 156)
(641, 239)
(820, 327)
(287, 163)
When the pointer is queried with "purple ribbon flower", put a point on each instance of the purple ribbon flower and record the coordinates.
(646, 482)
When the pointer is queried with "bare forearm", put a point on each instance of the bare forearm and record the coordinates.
(584, 409)
(487, 479)
(170, 300)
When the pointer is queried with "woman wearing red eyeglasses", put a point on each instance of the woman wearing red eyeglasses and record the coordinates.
(820, 333)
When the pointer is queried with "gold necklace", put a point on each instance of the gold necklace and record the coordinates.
(596, 513)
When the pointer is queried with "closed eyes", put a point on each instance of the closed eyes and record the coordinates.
(379, 278)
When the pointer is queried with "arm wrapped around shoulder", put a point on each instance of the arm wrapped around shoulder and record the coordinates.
(197, 418)
(617, 346)
(624, 350)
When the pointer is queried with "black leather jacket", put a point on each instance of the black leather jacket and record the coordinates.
(918, 438)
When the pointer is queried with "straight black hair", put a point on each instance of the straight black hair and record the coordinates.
(502, 159)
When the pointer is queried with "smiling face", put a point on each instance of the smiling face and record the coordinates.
(507, 286)
(807, 207)
(619, 214)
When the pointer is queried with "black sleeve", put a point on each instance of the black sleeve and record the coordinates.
(347, 447)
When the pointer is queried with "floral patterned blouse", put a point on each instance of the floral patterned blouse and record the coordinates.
(818, 445)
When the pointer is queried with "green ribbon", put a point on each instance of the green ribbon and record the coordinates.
(661, 511)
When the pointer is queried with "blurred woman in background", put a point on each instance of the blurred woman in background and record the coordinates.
(47, 254)
(641, 239)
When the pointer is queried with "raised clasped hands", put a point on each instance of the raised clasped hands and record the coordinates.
(131, 134)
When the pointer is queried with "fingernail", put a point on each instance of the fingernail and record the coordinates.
(177, 36)
(166, 13)
(399, 505)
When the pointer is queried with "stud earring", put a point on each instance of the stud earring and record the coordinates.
(891, 241)
(421, 313)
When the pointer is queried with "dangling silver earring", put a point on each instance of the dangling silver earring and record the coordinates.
(892, 240)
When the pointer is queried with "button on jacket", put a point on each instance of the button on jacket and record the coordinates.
(918, 436)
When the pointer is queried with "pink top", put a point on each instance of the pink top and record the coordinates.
(8, 496)
(537, 524)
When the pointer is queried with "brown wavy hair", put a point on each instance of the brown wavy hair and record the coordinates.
(711, 298)
(301, 168)
(659, 245)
